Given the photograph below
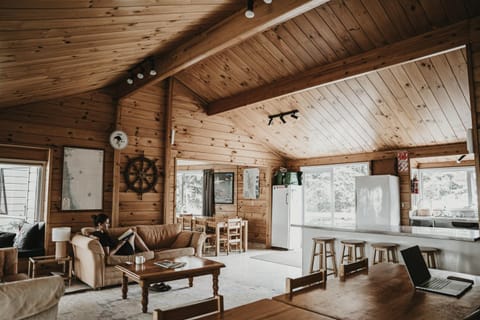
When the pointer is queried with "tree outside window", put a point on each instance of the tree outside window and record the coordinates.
(329, 193)
(189, 192)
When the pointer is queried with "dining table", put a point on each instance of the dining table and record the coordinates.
(218, 225)
(267, 309)
(386, 292)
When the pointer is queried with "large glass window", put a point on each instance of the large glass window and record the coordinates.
(329, 193)
(20, 194)
(447, 188)
(189, 192)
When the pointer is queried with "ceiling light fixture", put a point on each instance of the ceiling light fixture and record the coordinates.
(130, 78)
(249, 13)
(282, 115)
(152, 71)
(140, 75)
(267, 1)
(461, 158)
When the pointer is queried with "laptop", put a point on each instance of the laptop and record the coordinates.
(422, 279)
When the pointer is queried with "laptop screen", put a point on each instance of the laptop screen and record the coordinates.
(416, 266)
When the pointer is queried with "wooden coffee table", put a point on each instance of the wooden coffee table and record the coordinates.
(148, 273)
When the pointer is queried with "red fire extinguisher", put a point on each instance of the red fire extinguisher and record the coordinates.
(414, 185)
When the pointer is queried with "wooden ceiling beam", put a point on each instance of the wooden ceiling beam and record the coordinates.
(410, 49)
(223, 35)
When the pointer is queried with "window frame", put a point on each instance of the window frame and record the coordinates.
(41, 187)
(470, 171)
(329, 168)
(200, 172)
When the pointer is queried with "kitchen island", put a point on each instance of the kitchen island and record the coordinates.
(460, 248)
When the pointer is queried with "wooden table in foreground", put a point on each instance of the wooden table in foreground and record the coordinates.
(267, 309)
(148, 273)
(385, 293)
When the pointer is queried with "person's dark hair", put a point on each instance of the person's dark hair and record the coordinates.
(99, 218)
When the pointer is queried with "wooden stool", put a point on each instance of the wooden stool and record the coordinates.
(428, 254)
(390, 250)
(351, 246)
(323, 253)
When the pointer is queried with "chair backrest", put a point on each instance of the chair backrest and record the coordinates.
(199, 224)
(310, 280)
(234, 229)
(211, 305)
(349, 269)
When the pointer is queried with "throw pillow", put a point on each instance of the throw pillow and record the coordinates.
(7, 239)
(22, 240)
(183, 240)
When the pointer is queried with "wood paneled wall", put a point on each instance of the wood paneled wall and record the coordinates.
(142, 117)
(84, 120)
(218, 140)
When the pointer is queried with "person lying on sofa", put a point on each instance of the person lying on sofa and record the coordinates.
(116, 247)
(111, 246)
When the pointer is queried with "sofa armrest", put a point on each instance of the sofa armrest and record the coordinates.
(197, 242)
(26, 298)
(89, 260)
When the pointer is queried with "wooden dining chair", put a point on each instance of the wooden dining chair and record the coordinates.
(349, 269)
(201, 226)
(186, 220)
(212, 305)
(311, 280)
(232, 235)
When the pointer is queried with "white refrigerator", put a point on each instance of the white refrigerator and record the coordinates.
(287, 209)
(377, 201)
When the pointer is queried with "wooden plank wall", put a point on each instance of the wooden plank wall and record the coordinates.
(218, 140)
(404, 177)
(84, 120)
(142, 117)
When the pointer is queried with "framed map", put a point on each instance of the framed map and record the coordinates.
(82, 179)
(224, 187)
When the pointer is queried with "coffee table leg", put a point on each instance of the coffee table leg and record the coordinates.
(215, 282)
(124, 286)
(144, 286)
(190, 282)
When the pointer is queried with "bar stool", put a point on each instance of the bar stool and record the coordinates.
(323, 253)
(389, 249)
(351, 246)
(428, 254)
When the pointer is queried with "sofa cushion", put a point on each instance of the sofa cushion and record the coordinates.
(27, 253)
(159, 236)
(183, 240)
(7, 239)
(116, 259)
(174, 253)
(30, 236)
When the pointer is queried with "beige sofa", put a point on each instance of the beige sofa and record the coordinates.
(97, 269)
(23, 298)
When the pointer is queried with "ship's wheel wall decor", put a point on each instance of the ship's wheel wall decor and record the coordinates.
(141, 175)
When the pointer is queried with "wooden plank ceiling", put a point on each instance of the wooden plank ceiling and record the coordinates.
(420, 103)
(54, 48)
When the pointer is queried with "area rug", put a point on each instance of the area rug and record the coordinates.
(289, 258)
(108, 303)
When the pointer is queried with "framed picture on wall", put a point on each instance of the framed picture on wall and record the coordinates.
(82, 179)
(224, 187)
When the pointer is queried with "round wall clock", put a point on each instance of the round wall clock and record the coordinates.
(118, 140)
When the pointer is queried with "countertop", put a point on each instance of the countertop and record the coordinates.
(412, 231)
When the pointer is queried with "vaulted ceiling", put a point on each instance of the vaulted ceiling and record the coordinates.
(55, 48)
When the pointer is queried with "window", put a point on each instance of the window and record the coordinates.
(329, 193)
(447, 188)
(20, 194)
(189, 192)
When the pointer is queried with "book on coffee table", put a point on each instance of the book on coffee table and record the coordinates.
(169, 264)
